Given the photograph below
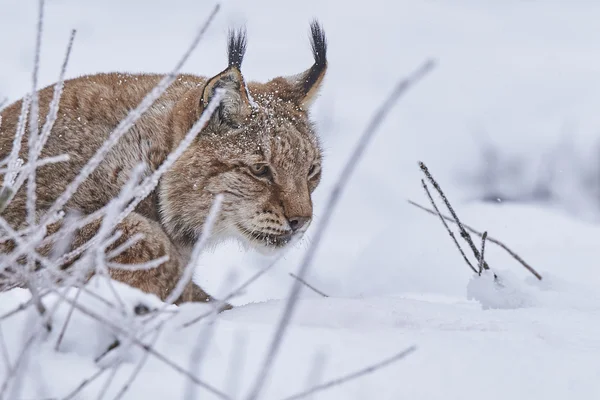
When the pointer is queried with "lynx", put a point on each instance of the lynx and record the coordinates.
(259, 150)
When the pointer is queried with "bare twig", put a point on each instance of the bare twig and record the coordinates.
(12, 160)
(437, 211)
(332, 201)
(489, 239)
(463, 233)
(3, 102)
(316, 372)
(86, 382)
(481, 261)
(21, 307)
(40, 163)
(143, 346)
(39, 306)
(13, 374)
(33, 119)
(64, 328)
(20, 359)
(236, 364)
(140, 365)
(198, 353)
(234, 292)
(30, 203)
(4, 349)
(109, 381)
(308, 285)
(53, 107)
(353, 375)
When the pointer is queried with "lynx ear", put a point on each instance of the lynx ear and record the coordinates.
(306, 84)
(235, 105)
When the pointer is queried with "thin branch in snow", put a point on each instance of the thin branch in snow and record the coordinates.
(39, 306)
(483, 238)
(36, 143)
(140, 365)
(30, 202)
(86, 382)
(21, 307)
(54, 103)
(235, 292)
(463, 233)
(118, 329)
(109, 380)
(40, 163)
(35, 333)
(13, 161)
(12, 373)
(316, 372)
(377, 119)
(64, 328)
(236, 364)
(489, 239)
(354, 375)
(437, 211)
(198, 352)
(308, 285)
(3, 102)
(113, 345)
(33, 120)
(4, 350)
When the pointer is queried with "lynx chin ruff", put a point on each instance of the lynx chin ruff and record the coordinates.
(259, 150)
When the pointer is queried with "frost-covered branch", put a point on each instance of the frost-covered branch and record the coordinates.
(145, 347)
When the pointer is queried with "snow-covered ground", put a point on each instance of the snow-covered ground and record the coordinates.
(520, 75)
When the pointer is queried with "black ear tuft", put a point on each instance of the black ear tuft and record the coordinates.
(236, 47)
(311, 79)
(318, 43)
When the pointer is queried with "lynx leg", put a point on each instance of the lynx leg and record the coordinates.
(155, 244)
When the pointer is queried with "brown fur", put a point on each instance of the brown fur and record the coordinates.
(267, 125)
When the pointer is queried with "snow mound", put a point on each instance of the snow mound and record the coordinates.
(498, 291)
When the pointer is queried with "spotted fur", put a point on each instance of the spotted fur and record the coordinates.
(259, 150)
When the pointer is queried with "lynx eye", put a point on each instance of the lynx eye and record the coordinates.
(314, 169)
(260, 170)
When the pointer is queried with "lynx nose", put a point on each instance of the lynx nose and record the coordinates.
(298, 222)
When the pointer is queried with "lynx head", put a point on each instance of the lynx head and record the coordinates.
(259, 150)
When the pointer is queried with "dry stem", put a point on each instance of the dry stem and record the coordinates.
(490, 239)
(308, 285)
(437, 211)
